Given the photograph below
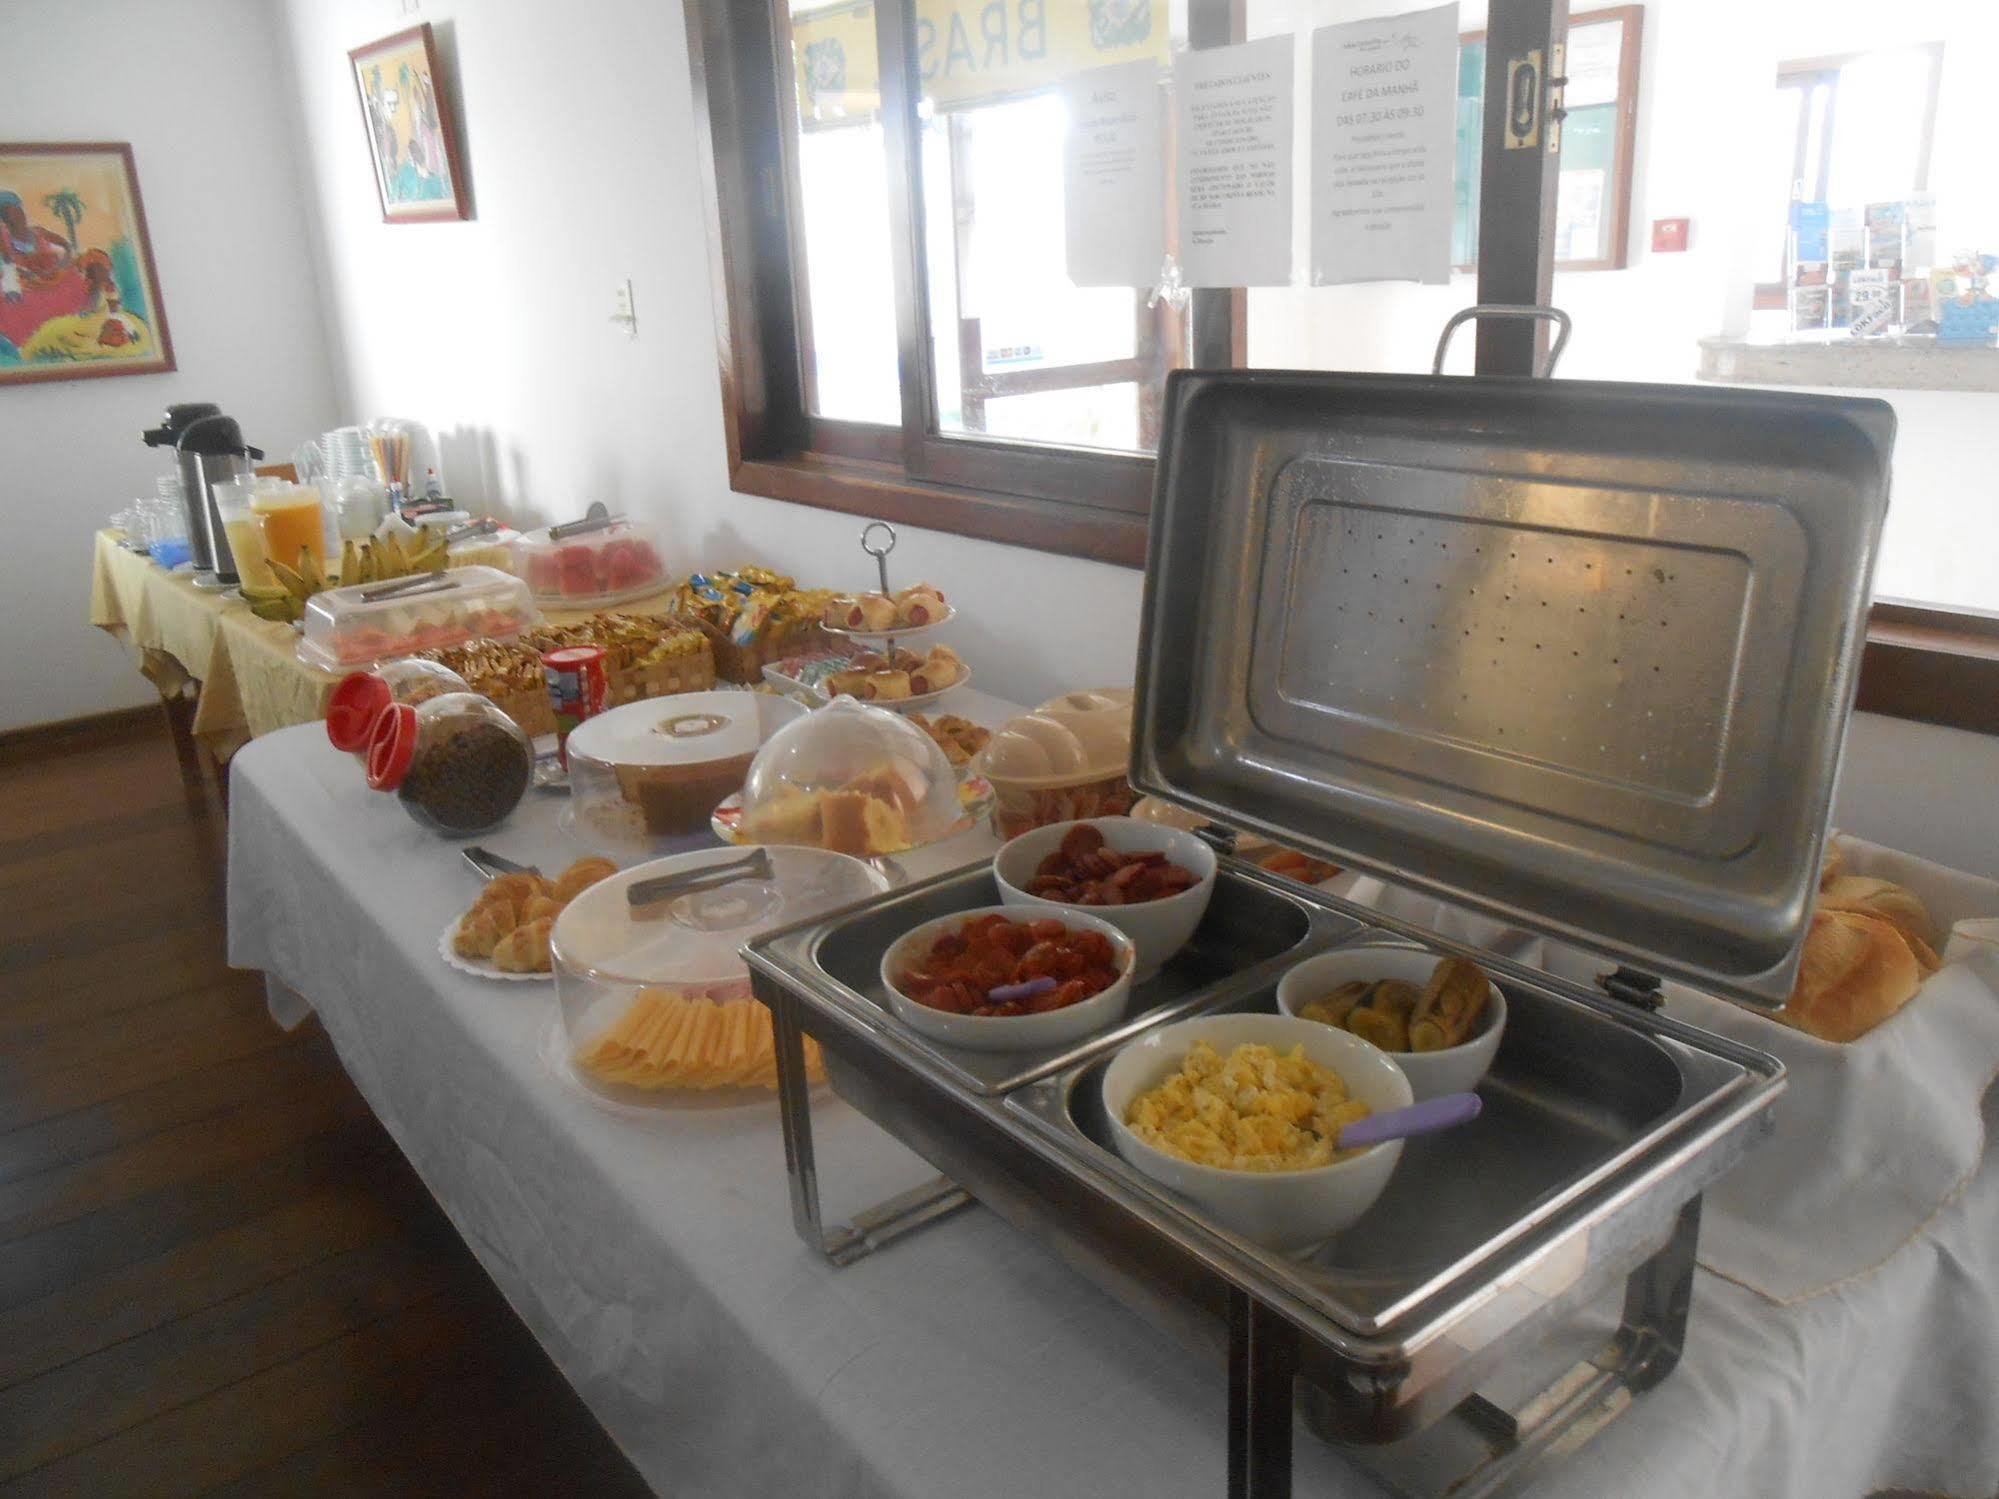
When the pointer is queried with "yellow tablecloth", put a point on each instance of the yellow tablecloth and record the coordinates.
(250, 679)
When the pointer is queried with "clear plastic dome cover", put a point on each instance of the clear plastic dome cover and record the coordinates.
(850, 778)
(655, 998)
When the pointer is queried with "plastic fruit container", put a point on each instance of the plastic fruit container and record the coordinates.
(655, 999)
(457, 763)
(853, 779)
(366, 622)
(658, 768)
(1063, 762)
(359, 697)
(590, 564)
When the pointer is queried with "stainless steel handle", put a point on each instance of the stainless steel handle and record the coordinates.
(404, 588)
(1553, 315)
(484, 527)
(755, 866)
(580, 527)
(487, 864)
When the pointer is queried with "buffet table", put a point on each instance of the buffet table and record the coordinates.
(244, 671)
(654, 1256)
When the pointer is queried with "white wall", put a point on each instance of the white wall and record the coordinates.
(192, 87)
(578, 142)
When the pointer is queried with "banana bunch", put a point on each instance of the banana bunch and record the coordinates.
(296, 584)
(374, 561)
(390, 556)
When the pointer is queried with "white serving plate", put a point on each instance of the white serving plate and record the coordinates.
(901, 632)
(819, 697)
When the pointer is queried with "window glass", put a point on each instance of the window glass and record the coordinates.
(1841, 229)
(847, 322)
(1019, 351)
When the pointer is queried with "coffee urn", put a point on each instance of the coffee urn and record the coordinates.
(165, 435)
(211, 449)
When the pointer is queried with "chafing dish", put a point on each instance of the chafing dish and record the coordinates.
(1578, 657)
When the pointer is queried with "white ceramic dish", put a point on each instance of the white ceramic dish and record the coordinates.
(1006, 1032)
(1290, 1211)
(1455, 1069)
(1159, 928)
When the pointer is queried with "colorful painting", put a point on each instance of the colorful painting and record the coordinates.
(410, 137)
(78, 294)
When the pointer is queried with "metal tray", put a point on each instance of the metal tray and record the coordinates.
(1603, 1123)
(1576, 655)
(1252, 929)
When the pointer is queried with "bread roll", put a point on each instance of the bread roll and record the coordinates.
(1891, 902)
(1857, 970)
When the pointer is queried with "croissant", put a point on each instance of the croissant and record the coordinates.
(481, 928)
(512, 889)
(540, 908)
(1834, 865)
(525, 949)
(581, 875)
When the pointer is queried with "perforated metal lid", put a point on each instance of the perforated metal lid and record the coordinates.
(1577, 655)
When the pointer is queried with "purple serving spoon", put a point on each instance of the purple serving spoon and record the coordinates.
(1427, 1117)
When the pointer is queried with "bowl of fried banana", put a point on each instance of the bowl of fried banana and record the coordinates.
(1439, 1017)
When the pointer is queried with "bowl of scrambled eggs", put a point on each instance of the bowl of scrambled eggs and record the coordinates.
(1241, 1114)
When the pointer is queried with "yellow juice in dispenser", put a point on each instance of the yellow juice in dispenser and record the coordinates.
(246, 545)
(291, 518)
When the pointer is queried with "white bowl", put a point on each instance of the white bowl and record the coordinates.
(1007, 1032)
(1160, 928)
(1290, 1211)
(1455, 1069)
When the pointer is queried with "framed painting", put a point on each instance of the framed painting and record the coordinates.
(78, 292)
(411, 140)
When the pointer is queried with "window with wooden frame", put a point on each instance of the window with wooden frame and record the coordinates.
(1845, 131)
(870, 364)
(1599, 142)
(901, 339)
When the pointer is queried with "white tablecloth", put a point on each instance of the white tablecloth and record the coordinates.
(656, 1261)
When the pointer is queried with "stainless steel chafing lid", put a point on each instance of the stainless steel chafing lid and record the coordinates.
(1579, 656)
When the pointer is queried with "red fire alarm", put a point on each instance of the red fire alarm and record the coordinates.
(1669, 235)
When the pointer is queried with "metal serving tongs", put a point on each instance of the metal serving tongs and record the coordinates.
(489, 865)
(413, 584)
(584, 526)
(484, 527)
(754, 866)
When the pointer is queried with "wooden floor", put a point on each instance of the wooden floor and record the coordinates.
(217, 1273)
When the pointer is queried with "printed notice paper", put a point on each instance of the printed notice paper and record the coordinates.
(1235, 164)
(1384, 108)
(1114, 178)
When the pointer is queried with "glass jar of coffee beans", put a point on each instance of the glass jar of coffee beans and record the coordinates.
(456, 762)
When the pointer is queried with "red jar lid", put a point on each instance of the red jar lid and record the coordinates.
(573, 655)
(350, 712)
(392, 746)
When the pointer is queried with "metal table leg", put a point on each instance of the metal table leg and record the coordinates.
(1263, 1359)
(867, 1231)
